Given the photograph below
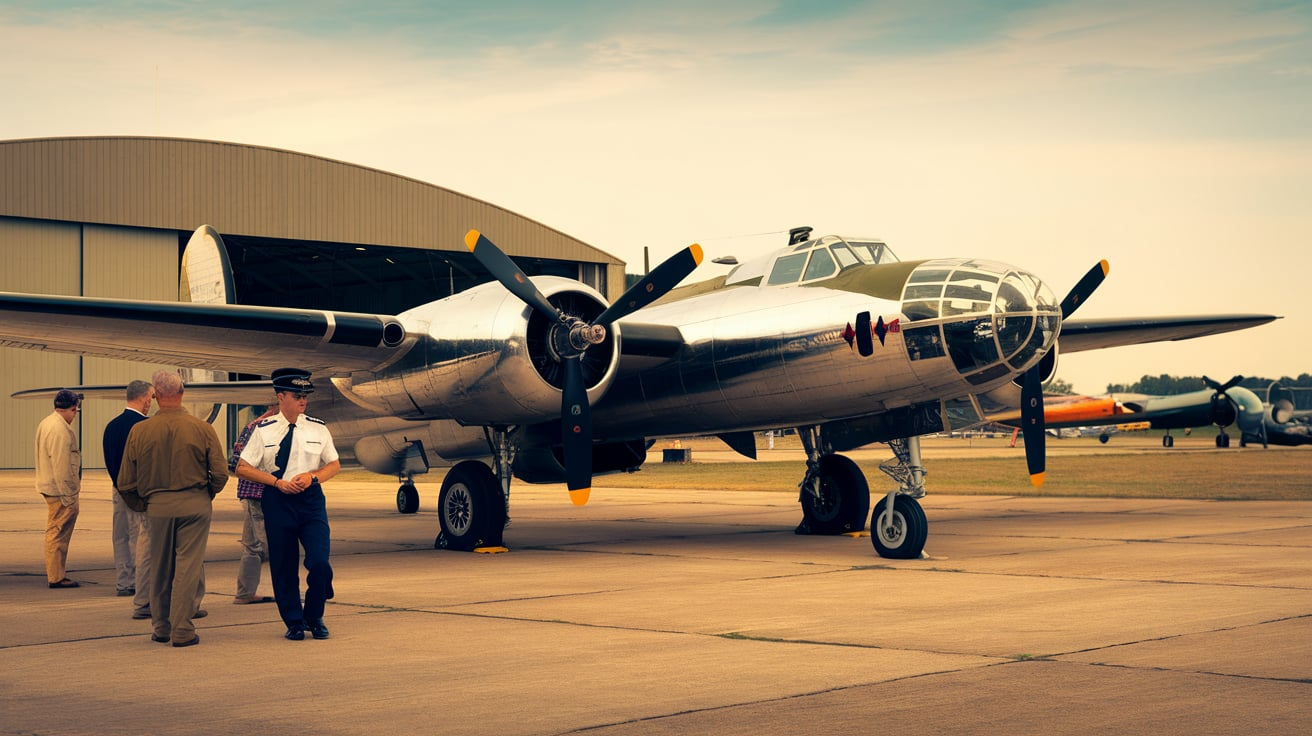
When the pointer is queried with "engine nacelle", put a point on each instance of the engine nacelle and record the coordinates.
(484, 357)
(1008, 394)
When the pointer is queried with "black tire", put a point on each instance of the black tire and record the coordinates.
(471, 511)
(407, 498)
(1222, 440)
(904, 537)
(1103, 438)
(844, 500)
(1168, 441)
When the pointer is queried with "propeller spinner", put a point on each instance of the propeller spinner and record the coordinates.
(572, 337)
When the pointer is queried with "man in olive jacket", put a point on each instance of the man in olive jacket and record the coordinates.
(176, 465)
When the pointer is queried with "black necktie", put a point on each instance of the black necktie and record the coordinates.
(284, 452)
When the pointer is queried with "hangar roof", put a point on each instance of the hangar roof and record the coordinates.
(180, 184)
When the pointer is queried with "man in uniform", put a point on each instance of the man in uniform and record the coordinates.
(127, 521)
(59, 479)
(174, 463)
(292, 454)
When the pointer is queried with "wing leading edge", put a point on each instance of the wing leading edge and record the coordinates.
(1096, 334)
(224, 337)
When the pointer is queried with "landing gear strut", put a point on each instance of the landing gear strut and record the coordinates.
(898, 527)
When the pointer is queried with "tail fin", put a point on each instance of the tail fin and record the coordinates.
(206, 278)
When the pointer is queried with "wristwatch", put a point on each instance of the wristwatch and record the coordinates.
(314, 479)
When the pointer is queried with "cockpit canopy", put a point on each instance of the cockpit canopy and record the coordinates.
(812, 260)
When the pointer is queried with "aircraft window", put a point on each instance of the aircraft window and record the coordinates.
(970, 343)
(788, 269)
(1012, 295)
(1044, 327)
(974, 292)
(844, 256)
(984, 376)
(821, 265)
(922, 275)
(924, 291)
(986, 278)
(961, 413)
(923, 342)
(953, 307)
(917, 311)
(1013, 331)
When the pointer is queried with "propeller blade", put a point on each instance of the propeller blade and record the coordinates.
(1084, 288)
(654, 285)
(576, 433)
(504, 270)
(1221, 388)
(1031, 412)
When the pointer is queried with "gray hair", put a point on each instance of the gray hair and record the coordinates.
(137, 389)
(167, 383)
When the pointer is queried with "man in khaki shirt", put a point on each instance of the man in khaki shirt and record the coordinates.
(59, 479)
(175, 464)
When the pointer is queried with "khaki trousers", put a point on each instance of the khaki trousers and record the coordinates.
(60, 520)
(179, 532)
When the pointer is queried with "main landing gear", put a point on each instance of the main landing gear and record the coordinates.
(835, 497)
(472, 506)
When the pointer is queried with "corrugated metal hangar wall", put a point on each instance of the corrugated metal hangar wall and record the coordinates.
(107, 217)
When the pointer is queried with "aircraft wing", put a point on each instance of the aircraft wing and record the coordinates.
(224, 337)
(1095, 334)
(251, 393)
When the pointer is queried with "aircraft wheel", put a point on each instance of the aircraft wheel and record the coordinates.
(407, 498)
(1168, 441)
(844, 499)
(1103, 438)
(1223, 440)
(902, 535)
(471, 511)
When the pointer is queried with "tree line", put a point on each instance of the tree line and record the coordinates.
(1165, 385)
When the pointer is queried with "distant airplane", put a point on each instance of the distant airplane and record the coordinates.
(1219, 404)
(542, 380)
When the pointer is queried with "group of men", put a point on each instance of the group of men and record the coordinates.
(166, 471)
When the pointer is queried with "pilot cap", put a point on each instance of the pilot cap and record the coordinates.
(292, 379)
(66, 399)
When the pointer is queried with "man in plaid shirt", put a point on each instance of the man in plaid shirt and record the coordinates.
(254, 543)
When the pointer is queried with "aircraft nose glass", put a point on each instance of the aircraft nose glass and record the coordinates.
(994, 318)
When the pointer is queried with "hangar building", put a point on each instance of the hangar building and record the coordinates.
(109, 217)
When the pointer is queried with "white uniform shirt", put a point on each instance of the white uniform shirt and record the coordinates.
(312, 445)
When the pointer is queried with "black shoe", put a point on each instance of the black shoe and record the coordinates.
(127, 592)
(200, 613)
(159, 639)
(193, 642)
(295, 633)
(318, 630)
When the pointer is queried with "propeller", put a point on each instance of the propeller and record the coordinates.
(572, 337)
(1031, 389)
(1224, 411)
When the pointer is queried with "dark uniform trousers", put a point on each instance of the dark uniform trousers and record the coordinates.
(292, 521)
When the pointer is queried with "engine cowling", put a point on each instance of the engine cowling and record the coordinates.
(486, 358)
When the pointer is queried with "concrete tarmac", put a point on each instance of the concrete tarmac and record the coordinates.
(654, 612)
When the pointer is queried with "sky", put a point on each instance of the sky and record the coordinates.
(1173, 139)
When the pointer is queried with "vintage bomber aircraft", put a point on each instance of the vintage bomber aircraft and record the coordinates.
(1222, 405)
(542, 380)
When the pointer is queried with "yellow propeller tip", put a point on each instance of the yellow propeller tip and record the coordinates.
(1106, 267)
(1037, 479)
(696, 251)
(471, 238)
(579, 497)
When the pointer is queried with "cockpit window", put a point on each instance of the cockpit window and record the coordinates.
(821, 265)
(788, 269)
